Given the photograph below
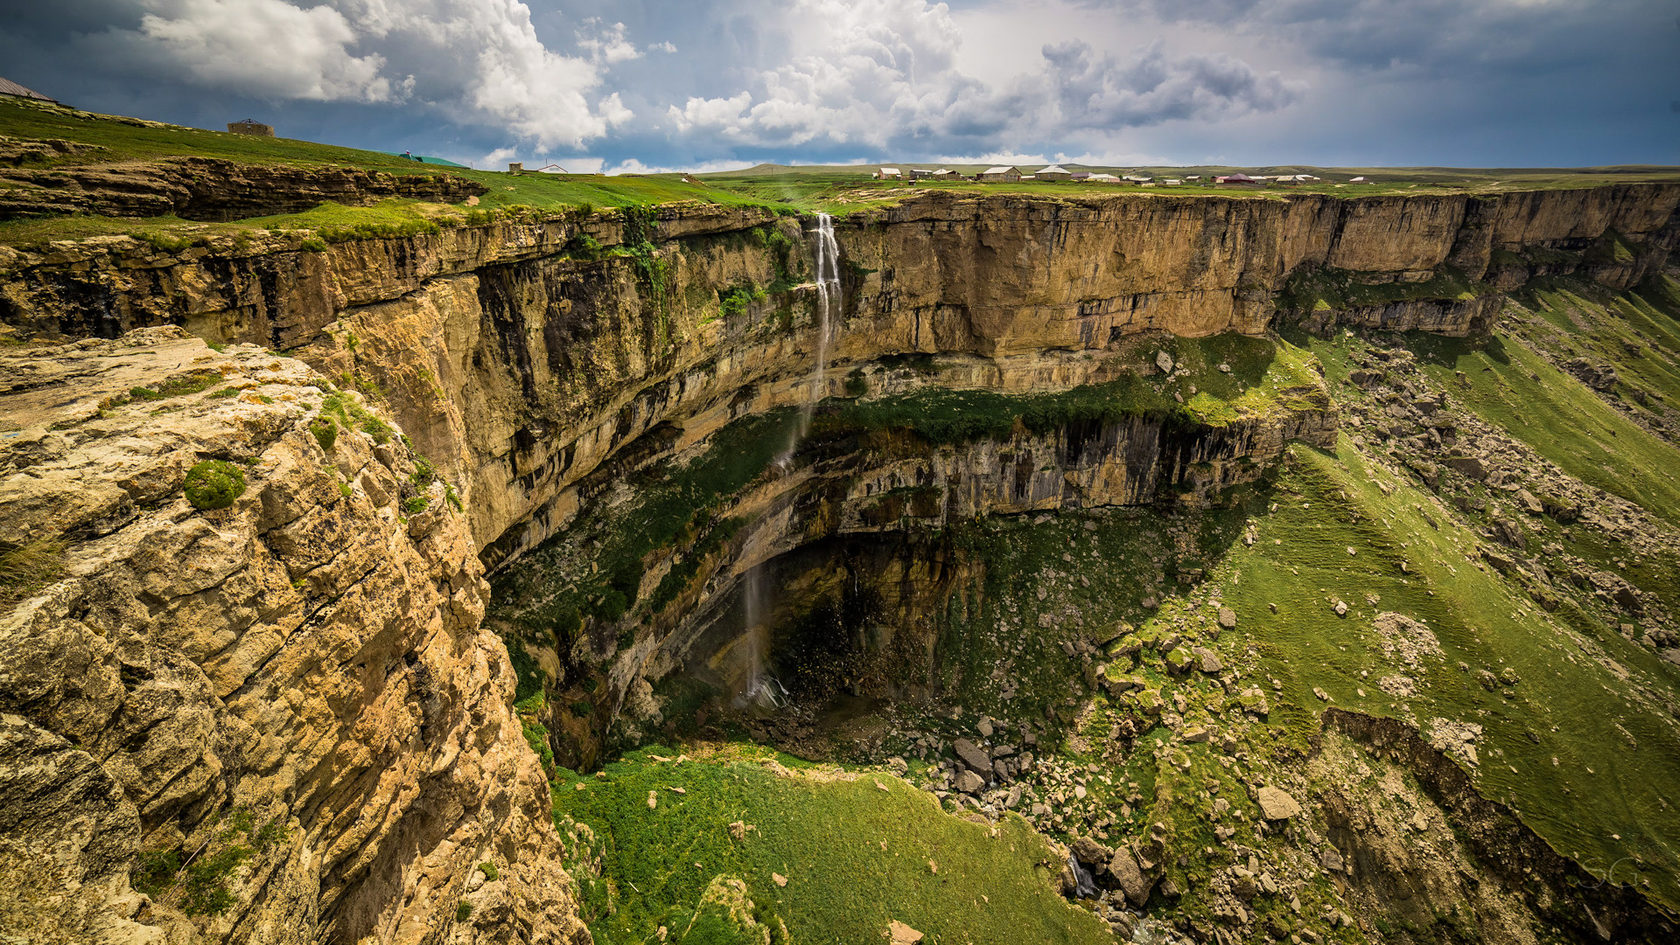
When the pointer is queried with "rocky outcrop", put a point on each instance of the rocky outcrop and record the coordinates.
(260, 709)
(211, 189)
(1565, 897)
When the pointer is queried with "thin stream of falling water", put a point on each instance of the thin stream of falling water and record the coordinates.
(763, 689)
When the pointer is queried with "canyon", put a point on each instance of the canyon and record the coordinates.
(511, 486)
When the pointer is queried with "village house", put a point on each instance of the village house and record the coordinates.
(889, 173)
(8, 87)
(1054, 172)
(999, 174)
(1101, 179)
(1237, 180)
(251, 126)
(921, 173)
(946, 173)
(1137, 179)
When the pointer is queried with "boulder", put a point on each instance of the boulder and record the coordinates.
(1207, 660)
(973, 756)
(1130, 876)
(1469, 466)
(1091, 852)
(1276, 804)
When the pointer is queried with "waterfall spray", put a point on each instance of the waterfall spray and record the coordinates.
(763, 689)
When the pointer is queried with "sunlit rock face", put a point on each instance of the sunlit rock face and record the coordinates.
(273, 718)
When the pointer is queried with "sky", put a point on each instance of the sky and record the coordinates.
(640, 85)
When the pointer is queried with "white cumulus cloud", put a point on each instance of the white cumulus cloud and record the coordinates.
(479, 61)
(885, 73)
(256, 47)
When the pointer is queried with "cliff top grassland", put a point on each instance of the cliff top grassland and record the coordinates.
(44, 145)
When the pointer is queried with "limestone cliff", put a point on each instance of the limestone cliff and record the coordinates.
(260, 713)
(523, 355)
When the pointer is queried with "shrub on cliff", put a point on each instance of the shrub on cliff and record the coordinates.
(325, 431)
(214, 484)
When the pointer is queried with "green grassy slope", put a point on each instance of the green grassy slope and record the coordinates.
(1578, 744)
(856, 852)
(1515, 389)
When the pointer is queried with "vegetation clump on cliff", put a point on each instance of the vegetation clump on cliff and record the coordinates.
(214, 484)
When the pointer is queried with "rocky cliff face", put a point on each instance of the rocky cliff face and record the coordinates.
(209, 189)
(275, 718)
(522, 359)
(541, 364)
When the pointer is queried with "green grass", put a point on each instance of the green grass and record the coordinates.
(1510, 386)
(29, 567)
(855, 852)
(1637, 332)
(1568, 704)
(1321, 289)
(214, 484)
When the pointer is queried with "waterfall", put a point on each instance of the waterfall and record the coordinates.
(763, 689)
(1084, 887)
(829, 300)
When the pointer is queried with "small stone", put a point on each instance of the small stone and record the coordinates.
(1227, 618)
(1331, 859)
(1209, 660)
(901, 934)
(1164, 361)
(985, 728)
(779, 879)
(1341, 608)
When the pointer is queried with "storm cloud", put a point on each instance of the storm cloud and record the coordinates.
(635, 84)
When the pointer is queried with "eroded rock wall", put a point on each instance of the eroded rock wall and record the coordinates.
(281, 720)
(522, 359)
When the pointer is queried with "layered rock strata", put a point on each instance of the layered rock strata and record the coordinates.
(211, 189)
(275, 721)
(525, 354)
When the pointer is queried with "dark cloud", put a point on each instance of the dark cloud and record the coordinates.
(1502, 82)
(1094, 90)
